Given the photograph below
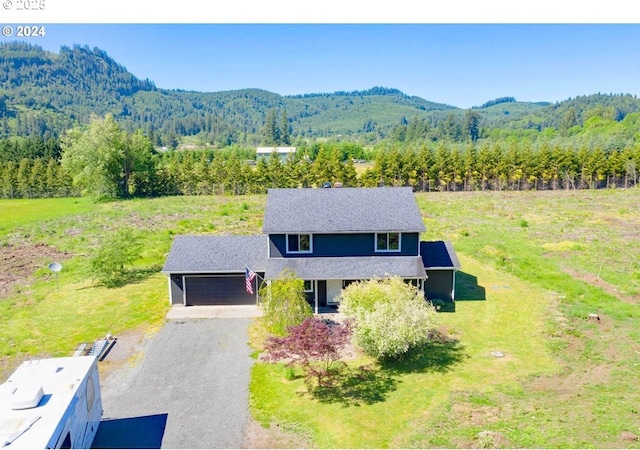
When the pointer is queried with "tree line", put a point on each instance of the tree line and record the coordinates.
(104, 161)
(518, 165)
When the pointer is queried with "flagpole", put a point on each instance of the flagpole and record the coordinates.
(256, 275)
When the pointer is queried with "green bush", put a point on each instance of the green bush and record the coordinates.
(390, 316)
(117, 251)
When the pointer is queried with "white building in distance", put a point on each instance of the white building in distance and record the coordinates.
(283, 152)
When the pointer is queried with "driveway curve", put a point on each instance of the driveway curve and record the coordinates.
(190, 389)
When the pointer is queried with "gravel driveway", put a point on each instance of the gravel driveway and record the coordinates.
(190, 390)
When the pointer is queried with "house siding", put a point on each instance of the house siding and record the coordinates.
(177, 290)
(352, 244)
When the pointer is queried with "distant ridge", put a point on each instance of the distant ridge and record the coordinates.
(44, 93)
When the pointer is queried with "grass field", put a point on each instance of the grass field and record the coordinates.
(534, 266)
(21, 212)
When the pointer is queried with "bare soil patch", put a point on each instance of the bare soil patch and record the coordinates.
(257, 436)
(18, 263)
(573, 383)
(599, 282)
(128, 349)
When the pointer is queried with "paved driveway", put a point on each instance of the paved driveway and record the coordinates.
(190, 390)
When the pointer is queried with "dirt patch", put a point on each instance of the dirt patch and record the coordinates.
(128, 348)
(599, 282)
(476, 415)
(18, 263)
(257, 436)
(570, 384)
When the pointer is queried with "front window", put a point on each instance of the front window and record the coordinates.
(387, 242)
(298, 243)
(308, 286)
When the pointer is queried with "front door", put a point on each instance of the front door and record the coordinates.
(334, 287)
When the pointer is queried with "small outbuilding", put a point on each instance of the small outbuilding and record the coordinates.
(441, 263)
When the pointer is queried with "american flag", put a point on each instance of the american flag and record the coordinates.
(249, 276)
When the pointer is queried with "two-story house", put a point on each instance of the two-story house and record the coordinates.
(328, 237)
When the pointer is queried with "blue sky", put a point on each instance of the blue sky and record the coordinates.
(462, 64)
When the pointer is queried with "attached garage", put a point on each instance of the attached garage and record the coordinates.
(217, 290)
(210, 270)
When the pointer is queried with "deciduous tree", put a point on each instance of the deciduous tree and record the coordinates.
(102, 158)
(118, 250)
(315, 346)
(283, 302)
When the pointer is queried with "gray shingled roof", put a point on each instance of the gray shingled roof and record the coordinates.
(342, 210)
(439, 255)
(348, 268)
(205, 254)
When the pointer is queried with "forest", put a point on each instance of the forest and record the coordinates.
(58, 110)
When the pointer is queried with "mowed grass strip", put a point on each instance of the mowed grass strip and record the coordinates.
(81, 312)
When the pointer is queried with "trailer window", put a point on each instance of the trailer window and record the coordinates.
(67, 441)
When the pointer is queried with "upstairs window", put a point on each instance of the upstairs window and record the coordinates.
(387, 242)
(299, 243)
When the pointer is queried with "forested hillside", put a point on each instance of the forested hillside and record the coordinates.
(43, 93)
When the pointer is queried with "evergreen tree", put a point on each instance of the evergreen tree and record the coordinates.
(472, 125)
(285, 133)
(9, 180)
(270, 134)
(38, 178)
(23, 178)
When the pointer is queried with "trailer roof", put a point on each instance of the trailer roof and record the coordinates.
(59, 379)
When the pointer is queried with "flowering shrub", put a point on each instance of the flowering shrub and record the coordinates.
(390, 316)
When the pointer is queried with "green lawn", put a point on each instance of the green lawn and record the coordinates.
(511, 320)
(40, 317)
(22, 211)
(534, 266)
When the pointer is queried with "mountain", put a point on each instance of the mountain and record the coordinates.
(43, 93)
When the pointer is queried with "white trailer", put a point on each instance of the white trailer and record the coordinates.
(51, 403)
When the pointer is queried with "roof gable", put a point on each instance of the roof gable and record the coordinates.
(342, 210)
(215, 253)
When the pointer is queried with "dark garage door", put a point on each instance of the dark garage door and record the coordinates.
(227, 290)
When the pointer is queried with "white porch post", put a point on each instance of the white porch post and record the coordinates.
(453, 287)
(184, 291)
